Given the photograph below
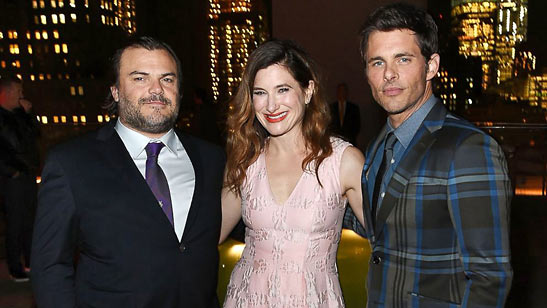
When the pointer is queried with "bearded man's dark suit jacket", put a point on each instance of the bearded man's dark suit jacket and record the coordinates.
(94, 199)
(441, 237)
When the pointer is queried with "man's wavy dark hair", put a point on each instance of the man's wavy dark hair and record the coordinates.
(398, 16)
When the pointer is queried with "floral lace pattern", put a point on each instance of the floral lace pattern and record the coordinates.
(290, 255)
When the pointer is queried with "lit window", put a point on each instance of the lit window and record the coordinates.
(1, 35)
(37, 35)
(28, 35)
(32, 77)
(12, 34)
(55, 119)
(80, 90)
(42, 4)
(44, 119)
(41, 76)
(44, 35)
(62, 18)
(36, 20)
(3, 64)
(86, 3)
(72, 91)
(73, 16)
(82, 119)
(57, 48)
(53, 3)
(103, 19)
(87, 18)
(65, 48)
(63, 119)
(75, 119)
(107, 118)
(34, 4)
(72, 3)
(61, 3)
(43, 19)
(54, 18)
(29, 48)
(67, 76)
(100, 118)
(56, 34)
(14, 49)
(48, 76)
(16, 63)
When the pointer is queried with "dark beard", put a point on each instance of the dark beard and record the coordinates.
(154, 123)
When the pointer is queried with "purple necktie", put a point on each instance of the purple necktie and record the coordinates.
(156, 179)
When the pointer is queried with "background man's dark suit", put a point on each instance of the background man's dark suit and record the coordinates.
(351, 124)
(95, 200)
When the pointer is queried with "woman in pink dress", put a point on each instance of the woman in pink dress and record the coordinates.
(289, 180)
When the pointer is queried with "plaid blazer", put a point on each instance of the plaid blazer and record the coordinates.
(442, 231)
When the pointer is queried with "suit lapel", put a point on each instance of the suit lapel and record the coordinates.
(121, 163)
(371, 153)
(417, 148)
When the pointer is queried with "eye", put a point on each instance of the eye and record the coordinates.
(258, 92)
(377, 63)
(283, 90)
(169, 79)
(138, 78)
(404, 60)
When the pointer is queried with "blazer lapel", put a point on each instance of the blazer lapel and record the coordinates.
(364, 183)
(417, 148)
(121, 163)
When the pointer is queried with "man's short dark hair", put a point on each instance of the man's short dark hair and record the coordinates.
(6, 80)
(148, 43)
(400, 16)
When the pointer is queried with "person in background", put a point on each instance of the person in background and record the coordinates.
(19, 163)
(290, 180)
(345, 115)
(139, 200)
(435, 188)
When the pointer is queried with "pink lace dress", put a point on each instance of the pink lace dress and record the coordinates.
(290, 255)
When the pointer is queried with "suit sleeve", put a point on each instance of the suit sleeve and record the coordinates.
(351, 222)
(479, 200)
(54, 240)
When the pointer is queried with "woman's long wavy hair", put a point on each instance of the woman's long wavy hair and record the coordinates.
(247, 137)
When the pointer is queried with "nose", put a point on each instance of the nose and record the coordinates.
(390, 73)
(272, 104)
(155, 87)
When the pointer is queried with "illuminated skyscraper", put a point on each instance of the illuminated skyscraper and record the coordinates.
(490, 29)
(236, 28)
(60, 48)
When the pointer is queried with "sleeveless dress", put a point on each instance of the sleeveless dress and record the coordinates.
(289, 258)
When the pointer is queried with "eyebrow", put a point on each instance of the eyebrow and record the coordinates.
(147, 74)
(398, 55)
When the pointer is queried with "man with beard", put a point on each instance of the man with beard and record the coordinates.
(137, 199)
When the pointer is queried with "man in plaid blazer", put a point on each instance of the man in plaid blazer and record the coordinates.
(440, 235)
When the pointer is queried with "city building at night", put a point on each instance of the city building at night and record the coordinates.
(491, 30)
(60, 48)
(236, 28)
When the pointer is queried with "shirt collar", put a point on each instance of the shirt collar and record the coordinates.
(406, 131)
(135, 142)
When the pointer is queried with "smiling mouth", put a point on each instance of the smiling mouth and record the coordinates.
(272, 118)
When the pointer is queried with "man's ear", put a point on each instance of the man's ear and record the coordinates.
(433, 66)
(115, 93)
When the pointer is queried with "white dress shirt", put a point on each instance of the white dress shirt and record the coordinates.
(175, 163)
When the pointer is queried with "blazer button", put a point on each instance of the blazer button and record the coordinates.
(376, 260)
(182, 247)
